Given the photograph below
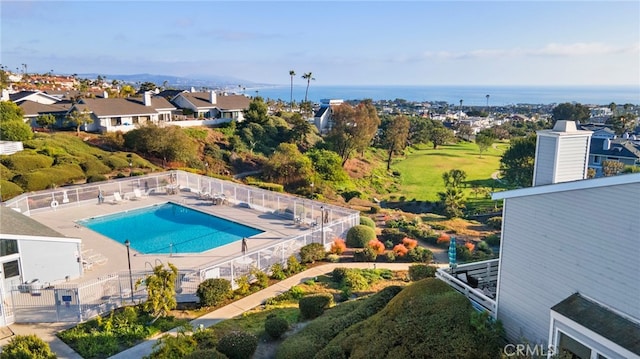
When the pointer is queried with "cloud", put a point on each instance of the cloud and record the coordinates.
(549, 50)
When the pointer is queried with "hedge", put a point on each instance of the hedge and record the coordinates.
(276, 326)
(359, 236)
(312, 252)
(314, 305)
(26, 162)
(27, 346)
(421, 271)
(213, 291)
(9, 189)
(366, 221)
(238, 345)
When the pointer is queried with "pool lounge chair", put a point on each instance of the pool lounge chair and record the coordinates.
(137, 195)
(117, 198)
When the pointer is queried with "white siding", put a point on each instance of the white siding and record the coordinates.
(559, 243)
(545, 160)
(572, 161)
(49, 261)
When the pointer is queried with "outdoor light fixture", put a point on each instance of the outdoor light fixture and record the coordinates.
(128, 244)
(130, 169)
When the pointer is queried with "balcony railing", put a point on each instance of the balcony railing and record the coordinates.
(477, 281)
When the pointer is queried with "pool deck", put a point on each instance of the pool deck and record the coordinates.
(64, 220)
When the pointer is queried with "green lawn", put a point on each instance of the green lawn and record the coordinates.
(421, 171)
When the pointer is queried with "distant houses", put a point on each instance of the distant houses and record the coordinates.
(181, 108)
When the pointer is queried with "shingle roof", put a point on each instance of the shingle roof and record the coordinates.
(15, 97)
(618, 148)
(31, 108)
(103, 107)
(12, 222)
(223, 102)
(601, 320)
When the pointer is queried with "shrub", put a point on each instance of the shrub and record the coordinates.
(238, 345)
(358, 236)
(409, 243)
(377, 246)
(400, 250)
(243, 285)
(293, 294)
(262, 279)
(333, 258)
(338, 274)
(293, 265)
(312, 252)
(312, 306)
(421, 271)
(276, 326)
(205, 353)
(213, 291)
(420, 254)
(443, 239)
(277, 272)
(493, 240)
(365, 255)
(27, 346)
(392, 235)
(338, 246)
(470, 246)
(391, 256)
(9, 189)
(495, 222)
(27, 161)
(96, 178)
(366, 221)
(355, 281)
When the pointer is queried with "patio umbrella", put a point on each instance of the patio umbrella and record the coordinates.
(452, 254)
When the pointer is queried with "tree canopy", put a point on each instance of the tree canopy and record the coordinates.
(12, 125)
(517, 162)
(353, 128)
(394, 136)
(570, 112)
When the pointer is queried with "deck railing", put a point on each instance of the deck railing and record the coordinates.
(486, 272)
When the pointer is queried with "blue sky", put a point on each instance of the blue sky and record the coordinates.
(341, 43)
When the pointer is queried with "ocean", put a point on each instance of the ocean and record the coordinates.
(470, 95)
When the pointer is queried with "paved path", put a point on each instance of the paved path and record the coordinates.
(47, 331)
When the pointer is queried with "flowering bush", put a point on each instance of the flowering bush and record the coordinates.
(376, 245)
(338, 246)
(444, 238)
(409, 243)
(470, 246)
(400, 250)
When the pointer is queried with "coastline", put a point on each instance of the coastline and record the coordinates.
(472, 95)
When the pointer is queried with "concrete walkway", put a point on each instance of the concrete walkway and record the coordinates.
(47, 331)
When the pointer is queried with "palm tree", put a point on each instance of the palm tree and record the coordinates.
(292, 74)
(308, 76)
(487, 100)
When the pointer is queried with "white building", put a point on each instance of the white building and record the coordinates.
(568, 276)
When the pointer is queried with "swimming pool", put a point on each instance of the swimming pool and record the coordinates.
(169, 228)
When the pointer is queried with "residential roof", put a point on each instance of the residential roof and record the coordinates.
(223, 102)
(31, 108)
(619, 148)
(601, 320)
(321, 111)
(569, 186)
(104, 107)
(22, 95)
(12, 222)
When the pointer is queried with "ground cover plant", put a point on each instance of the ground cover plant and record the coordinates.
(105, 336)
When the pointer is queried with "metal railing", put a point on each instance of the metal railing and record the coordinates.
(77, 302)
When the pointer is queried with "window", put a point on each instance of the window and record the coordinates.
(11, 269)
(8, 246)
(596, 159)
(571, 348)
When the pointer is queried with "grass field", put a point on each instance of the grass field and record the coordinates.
(421, 170)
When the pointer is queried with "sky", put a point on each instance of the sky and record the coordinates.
(339, 42)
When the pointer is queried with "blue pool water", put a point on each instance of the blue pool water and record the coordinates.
(169, 228)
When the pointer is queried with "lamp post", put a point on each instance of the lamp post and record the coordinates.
(130, 169)
(128, 244)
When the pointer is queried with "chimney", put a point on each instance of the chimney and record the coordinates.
(212, 97)
(606, 144)
(105, 94)
(146, 98)
(193, 89)
(562, 154)
(5, 95)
